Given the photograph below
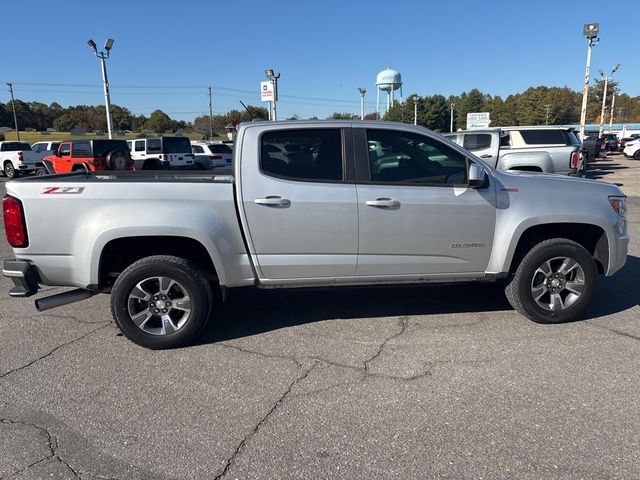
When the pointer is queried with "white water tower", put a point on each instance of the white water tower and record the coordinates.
(387, 81)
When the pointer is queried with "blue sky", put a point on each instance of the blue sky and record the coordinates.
(167, 53)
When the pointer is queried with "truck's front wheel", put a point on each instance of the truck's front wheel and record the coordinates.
(554, 281)
(161, 301)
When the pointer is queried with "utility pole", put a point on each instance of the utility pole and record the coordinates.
(590, 30)
(451, 126)
(548, 107)
(415, 110)
(13, 104)
(210, 116)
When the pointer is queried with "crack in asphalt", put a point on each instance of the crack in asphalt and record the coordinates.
(402, 323)
(256, 429)
(52, 446)
(50, 352)
(617, 332)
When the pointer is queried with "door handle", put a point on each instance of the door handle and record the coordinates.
(486, 155)
(383, 203)
(273, 201)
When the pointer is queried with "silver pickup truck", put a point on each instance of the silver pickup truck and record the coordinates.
(548, 149)
(325, 203)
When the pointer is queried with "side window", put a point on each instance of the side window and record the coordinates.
(543, 137)
(54, 146)
(410, 159)
(477, 141)
(81, 149)
(65, 150)
(197, 149)
(139, 145)
(308, 155)
(154, 145)
(38, 147)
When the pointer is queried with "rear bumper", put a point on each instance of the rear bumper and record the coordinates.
(23, 275)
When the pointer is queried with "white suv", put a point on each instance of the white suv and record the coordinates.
(209, 155)
(161, 153)
(632, 149)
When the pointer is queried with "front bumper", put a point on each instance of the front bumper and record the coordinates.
(23, 275)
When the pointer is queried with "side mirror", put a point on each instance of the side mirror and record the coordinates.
(476, 175)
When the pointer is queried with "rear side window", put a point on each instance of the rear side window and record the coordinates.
(15, 146)
(197, 149)
(81, 149)
(176, 145)
(477, 141)
(317, 155)
(543, 137)
(154, 145)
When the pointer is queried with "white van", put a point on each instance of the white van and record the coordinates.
(161, 153)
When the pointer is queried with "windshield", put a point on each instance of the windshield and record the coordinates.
(176, 145)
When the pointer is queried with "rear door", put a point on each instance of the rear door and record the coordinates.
(81, 152)
(300, 212)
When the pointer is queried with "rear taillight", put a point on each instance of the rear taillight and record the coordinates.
(20, 156)
(575, 160)
(14, 224)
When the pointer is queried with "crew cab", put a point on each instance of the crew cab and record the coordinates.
(360, 203)
(92, 155)
(535, 149)
(17, 158)
(160, 153)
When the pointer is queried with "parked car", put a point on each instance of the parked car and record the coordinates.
(160, 153)
(433, 212)
(632, 149)
(209, 155)
(17, 158)
(533, 149)
(91, 155)
(45, 148)
(623, 142)
(610, 142)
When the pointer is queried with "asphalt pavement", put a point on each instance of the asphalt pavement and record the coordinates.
(413, 382)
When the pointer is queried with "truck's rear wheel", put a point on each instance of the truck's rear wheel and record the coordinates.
(9, 171)
(554, 281)
(161, 301)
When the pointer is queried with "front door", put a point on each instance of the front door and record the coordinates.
(300, 204)
(416, 214)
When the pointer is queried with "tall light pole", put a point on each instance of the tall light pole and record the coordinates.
(13, 104)
(108, 45)
(453, 105)
(362, 92)
(613, 103)
(415, 110)
(590, 30)
(546, 118)
(273, 77)
(604, 96)
(210, 116)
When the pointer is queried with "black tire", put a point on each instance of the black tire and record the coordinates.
(117, 160)
(636, 154)
(9, 171)
(163, 318)
(40, 171)
(529, 276)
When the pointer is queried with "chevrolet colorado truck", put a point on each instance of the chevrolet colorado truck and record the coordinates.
(352, 203)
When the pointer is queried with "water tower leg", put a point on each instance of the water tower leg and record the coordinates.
(377, 103)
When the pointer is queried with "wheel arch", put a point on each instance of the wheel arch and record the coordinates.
(592, 237)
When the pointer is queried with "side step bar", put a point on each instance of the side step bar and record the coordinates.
(63, 299)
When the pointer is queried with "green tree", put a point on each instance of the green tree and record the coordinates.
(159, 122)
(470, 102)
(344, 116)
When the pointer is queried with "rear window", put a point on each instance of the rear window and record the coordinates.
(477, 141)
(176, 145)
(543, 137)
(219, 148)
(102, 147)
(15, 146)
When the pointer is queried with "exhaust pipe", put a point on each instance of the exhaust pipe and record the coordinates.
(63, 299)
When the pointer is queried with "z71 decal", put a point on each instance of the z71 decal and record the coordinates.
(62, 190)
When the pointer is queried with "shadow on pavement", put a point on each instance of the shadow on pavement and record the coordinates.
(252, 311)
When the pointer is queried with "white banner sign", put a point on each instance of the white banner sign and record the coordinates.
(267, 93)
(478, 120)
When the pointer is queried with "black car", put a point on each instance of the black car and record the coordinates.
(610, 142)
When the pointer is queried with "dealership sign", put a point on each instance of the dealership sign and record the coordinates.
(267, 92)
(478, 120)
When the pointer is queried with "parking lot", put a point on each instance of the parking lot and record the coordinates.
(410, 382)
